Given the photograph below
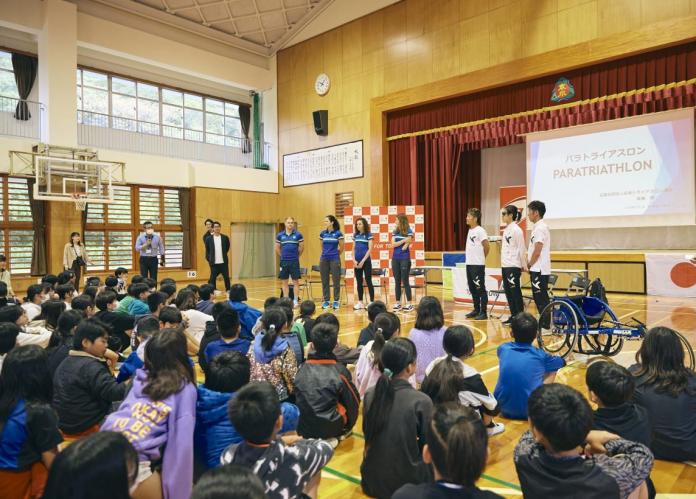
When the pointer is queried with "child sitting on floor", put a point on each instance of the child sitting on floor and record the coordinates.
(229, 328)
(289, 466)
(523, 367)
(227, 373)
(158, 417)
(369, 368)
(328, 400)
(450, 379)
(561, 455)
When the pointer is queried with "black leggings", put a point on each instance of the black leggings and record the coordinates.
(476, 278)
(401, 270)
(77, 269)
(540, 292)
(513, 292)
(367, 271)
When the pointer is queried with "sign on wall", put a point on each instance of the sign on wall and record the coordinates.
(327, 164)
(382, 222)
(515, 195)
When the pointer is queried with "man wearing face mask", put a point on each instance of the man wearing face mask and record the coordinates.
(150, 246)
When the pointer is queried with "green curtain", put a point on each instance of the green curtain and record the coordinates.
(258, 258)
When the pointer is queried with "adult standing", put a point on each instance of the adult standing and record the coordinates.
(363, 262)
(75, 257)
(513, 260)
(539, 259)
(217, 248)
(208, 229)
(330, 261)
(151, 249)
(477, 248)
(289, 246)
(401, 261)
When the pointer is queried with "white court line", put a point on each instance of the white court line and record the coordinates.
(503, 491)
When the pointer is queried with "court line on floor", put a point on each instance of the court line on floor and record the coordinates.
(341, 475)
(485, 476)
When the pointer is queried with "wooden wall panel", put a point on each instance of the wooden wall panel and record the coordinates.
(619, 277)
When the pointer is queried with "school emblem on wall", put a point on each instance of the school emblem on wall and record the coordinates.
(563, 90)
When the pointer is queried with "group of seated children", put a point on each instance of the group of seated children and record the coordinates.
(278, 397)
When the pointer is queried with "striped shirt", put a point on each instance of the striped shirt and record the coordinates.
(329, 244)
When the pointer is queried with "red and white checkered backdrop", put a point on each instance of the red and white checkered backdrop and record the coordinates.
(382, 220)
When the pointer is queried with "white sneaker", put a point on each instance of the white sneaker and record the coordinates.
(397, 306)
(358, 306)
(407, 308)
(333, 442)
(495, 429)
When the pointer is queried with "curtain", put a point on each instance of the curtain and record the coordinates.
(185, 210)
(258, 256)
(661, 67)
(39, 257)
(245, 120)
(24, 68)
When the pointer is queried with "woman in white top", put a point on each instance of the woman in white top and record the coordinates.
(75, 257)
(477, 248)
(513, 260)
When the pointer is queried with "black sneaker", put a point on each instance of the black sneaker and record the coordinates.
(481, 317)
(471, 314)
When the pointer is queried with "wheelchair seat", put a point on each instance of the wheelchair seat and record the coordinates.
(593, 310)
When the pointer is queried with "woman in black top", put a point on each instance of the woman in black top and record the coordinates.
(667, 390)
(395, 419)
(457, 447)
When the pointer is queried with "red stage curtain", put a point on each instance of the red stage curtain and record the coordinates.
(659, 67)
(440, 174)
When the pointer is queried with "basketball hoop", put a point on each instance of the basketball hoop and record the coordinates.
(80, 201)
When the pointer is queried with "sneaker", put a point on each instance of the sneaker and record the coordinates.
(495, 429)
(358, 306)
(507, 322)
(471, 314)
(325, 305)
(336, 305)
(407, 308)
(333, 442)
(397, 306)
(481, 317)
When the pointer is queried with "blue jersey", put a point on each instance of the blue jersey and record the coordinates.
(329, 244)
(289, 245)
(522, 370)
(362, 243)
(399, 252)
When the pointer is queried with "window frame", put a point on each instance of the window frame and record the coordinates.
(8, 226)
(135, 225)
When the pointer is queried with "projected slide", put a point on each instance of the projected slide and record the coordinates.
(631, 172)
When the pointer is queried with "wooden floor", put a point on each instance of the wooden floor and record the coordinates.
(341, 478)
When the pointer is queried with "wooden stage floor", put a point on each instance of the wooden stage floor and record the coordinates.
(341, 478)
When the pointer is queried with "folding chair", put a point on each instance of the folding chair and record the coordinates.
(495, 294)
(578, 285)
(530, 298)
(383, 283)
(303, 288)
(418, 273)
(344, 293)
(316, 270)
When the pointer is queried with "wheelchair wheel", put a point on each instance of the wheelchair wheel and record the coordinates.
(688, 352)
(605, 344)
(560, 337)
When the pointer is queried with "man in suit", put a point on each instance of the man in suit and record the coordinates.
(217, 248)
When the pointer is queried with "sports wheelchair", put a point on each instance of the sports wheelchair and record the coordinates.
(585, 325)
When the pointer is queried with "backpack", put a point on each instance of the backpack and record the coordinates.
(597, 290)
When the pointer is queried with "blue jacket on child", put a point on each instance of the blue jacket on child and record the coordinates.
(214, 431)
(247, 318)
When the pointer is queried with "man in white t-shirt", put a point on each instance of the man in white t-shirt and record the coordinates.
(477, 248)
(217, 247)
(539, 258)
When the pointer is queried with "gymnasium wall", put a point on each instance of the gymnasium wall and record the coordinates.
(414, 51)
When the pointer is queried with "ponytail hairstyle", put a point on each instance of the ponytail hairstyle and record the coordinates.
(334, 222)
(386, 324)
(458, 443)
(67, 322)
(476, 213)
(396, 356)
(444, 381)
(167, 364)
(516, 213)
(402, 225)
(273, 321)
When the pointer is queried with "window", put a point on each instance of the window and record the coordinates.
(127, 104)
(8, 87)
(109, 232)
(16, 233)
(111, 229)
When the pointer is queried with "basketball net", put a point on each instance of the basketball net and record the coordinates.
(80, 201)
